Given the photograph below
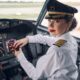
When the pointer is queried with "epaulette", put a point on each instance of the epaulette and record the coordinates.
(60, 42)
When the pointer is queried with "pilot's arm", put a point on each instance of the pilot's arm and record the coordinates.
(37, 72)
(35, 39)
(43, 39)
(55, 64)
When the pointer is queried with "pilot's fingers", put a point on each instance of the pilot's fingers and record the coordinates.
(18, 47)
(21, 42)
(21, 45)
(17, 43)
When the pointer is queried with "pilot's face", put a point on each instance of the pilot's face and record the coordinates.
(57, 26)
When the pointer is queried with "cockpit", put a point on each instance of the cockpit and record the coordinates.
(16, 26)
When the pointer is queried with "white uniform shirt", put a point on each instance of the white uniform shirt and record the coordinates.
(59, 63)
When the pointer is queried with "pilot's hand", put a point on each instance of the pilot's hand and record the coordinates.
(20, 43)
(14, 50)
(18, 51)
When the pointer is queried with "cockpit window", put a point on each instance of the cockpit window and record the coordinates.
(20, 9)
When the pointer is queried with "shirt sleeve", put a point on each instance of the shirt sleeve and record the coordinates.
(39, 39)
(35, 72)
(26, 65)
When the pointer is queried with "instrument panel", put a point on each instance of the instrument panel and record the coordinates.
(5, 23)
(12, 29)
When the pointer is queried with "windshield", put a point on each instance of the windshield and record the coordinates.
(20, 9)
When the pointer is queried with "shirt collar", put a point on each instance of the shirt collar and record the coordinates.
(65, 36)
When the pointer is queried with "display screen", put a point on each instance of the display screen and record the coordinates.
(4, 23)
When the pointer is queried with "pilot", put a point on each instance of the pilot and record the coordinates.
(59, 62)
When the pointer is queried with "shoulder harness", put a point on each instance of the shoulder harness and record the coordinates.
(60, 42)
